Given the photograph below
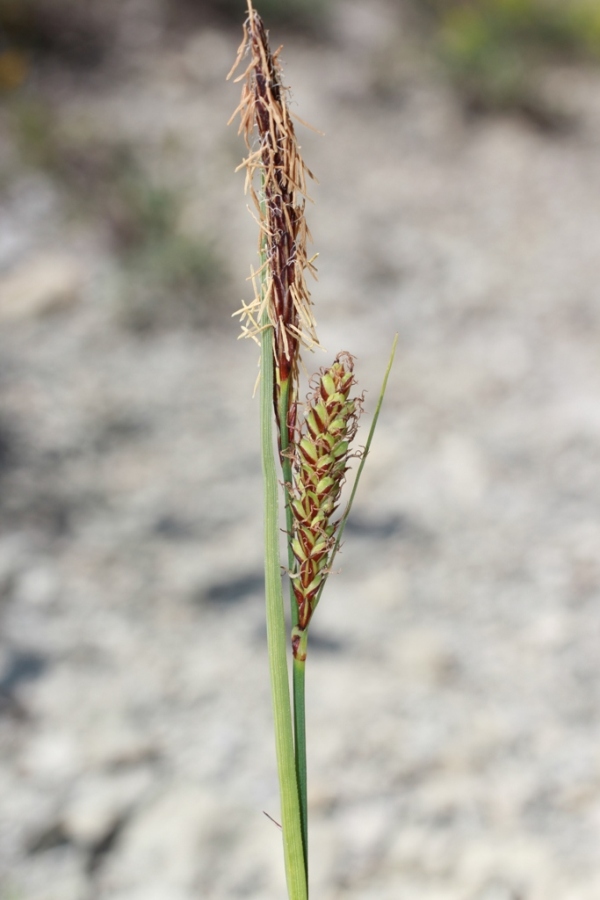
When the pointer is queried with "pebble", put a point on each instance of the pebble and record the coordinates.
(51, 756)
(115, 742)
(100, 803)
(37, 586)
(45, 284)
(162, 844)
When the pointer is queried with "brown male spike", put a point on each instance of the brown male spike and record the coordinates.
(266, 124)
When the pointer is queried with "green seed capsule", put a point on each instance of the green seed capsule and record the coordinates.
(298, 550)
(309, 450)
(341, 450)
(325, 485)
(324, 462)
(327, 385)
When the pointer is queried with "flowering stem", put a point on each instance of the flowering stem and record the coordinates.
(293, 844)
(313, 453)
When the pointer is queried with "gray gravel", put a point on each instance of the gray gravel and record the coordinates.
(454, 675)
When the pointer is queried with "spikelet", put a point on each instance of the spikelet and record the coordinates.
(320, 461)
(280, 285)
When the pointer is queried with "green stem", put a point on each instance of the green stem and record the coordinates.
(300, 745)
(298, 674)
(298, 671)
(286, 468)
(293, 844)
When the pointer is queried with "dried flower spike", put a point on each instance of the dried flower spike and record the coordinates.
(320, 461)
(280, 285)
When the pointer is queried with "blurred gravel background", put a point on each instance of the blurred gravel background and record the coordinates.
(454, 672)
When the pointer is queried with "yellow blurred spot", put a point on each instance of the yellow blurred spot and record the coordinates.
(13, 69)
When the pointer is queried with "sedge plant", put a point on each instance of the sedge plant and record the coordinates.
(308, 445)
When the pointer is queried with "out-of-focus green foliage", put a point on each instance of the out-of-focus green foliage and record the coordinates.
(492, 47)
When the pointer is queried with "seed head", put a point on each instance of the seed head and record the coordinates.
(268, 130)
(320, 461)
